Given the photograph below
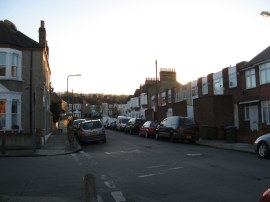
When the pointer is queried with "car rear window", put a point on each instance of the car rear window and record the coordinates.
(188, 121)
(92, 125)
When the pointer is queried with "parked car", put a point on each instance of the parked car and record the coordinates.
(121, 122)
(178, 128)
(148, 129)
(134, 125)
(262, 145)
(91, 131)
(265, 197)
(76, 124)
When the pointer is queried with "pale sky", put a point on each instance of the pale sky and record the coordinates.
(113, 44)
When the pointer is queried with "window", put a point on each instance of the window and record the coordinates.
(265, 73)
(169, 96)
(2, 64)
(163, 99)
(183, 94)
(250, 78)
(2, 113)
(177, 96)
(247, 117)
(14, 111)
(204, 86)
(218, 86)
(14, 66)
(194, 91)
(266, 111)
(232, 77)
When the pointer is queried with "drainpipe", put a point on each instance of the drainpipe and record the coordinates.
(31, 118)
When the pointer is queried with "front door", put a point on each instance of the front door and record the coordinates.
(253, 117)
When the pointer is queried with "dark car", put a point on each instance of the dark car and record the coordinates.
(148, 129)
(178, 128)
(134, 125)
(91, 131)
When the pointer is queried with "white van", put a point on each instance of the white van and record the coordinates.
(121, 122)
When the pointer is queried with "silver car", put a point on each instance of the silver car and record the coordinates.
(91, 131)
(262, 145)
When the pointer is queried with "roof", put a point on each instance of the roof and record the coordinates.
(262, 56)
(9, 35)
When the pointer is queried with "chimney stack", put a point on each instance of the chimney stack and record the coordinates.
(42, 34)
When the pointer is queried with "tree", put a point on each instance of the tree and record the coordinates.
(55, 108)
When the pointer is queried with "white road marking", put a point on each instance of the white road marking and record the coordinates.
(99, 199)
(195, 154)
(155, 166)
(118, 196)
(124, 152)
(160, 172)
(110, 184)
(176, 168)
(150, 175)
(86, 154)
(75, 157)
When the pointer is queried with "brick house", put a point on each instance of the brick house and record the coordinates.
(164, 88)
(24, 84)
(253, 97)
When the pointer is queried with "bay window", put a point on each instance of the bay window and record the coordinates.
(14, 65)
(2, 114)
(2, 64)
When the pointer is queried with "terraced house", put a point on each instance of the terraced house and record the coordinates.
(24, 85)
(236, 96)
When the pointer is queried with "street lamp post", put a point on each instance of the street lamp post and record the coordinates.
(67, 87)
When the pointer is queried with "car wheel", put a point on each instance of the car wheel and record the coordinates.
(104, 140)
(146, 135)
(263, 150)
(172, 139)
(157, 136)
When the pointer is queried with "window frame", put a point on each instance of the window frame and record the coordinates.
(3, 113)
(3, 65)
(264, 70)
(232, 74)
(250, 77)
(265, 108)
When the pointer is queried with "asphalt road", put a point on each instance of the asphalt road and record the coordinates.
(135, 169)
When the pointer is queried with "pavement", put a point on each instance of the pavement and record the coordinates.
(59, 144)
(56, 144)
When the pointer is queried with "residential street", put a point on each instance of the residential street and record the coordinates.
(136, 169)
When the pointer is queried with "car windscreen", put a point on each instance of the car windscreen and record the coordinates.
(125, 120)
(154, 124)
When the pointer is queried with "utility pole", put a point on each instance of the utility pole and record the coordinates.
(156, 108)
